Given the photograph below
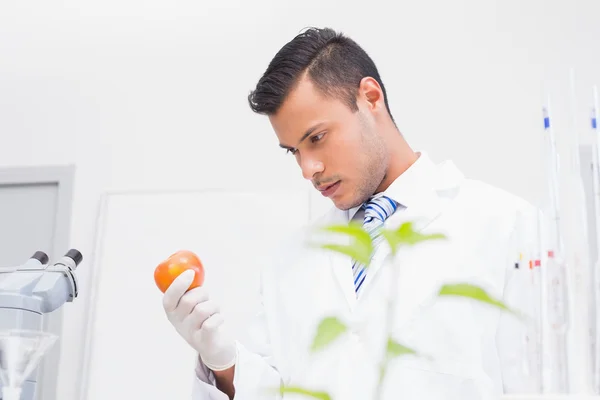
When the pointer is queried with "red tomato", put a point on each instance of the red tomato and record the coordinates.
(166, 272)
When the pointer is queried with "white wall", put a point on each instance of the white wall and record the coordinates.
(152, 94)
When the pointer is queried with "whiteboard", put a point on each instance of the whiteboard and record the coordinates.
(132, 351)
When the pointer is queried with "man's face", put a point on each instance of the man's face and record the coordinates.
(338, 150)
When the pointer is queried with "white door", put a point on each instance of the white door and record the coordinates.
(35, 213)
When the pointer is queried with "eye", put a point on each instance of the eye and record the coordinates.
(318, 137)
(290, 151)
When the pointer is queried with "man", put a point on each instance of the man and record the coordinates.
(329, 109)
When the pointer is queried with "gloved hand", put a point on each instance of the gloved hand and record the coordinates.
(198, 320)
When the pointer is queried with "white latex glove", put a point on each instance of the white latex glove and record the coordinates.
(198, 320)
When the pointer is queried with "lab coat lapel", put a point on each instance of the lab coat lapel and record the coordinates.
(424, 203)
(425, 197)
(341, 264)
(421, 215)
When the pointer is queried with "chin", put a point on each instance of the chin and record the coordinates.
(342, 207)
(345, 205)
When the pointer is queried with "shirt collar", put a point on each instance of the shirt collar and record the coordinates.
(405, 189)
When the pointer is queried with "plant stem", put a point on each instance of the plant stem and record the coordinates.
(389, 325)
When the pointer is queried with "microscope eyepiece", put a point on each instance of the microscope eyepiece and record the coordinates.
(74, 255)
(41, 257)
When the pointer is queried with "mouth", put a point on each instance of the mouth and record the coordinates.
(329, 190)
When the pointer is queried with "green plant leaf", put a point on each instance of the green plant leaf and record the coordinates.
(395, 349)
(329, 329)
(392, 239)
(353, 229)
(360, 248)
(305, 392)
(406, 235)
(356, 253)
(472, 292)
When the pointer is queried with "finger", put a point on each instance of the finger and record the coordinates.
(177, 289)
(212, 323)
(201, 313)
(189, 300)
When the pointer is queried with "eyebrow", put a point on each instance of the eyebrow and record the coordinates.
(306, 134)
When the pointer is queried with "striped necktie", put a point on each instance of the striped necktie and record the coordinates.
(377, 210)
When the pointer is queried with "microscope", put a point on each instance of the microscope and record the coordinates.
(27, 292)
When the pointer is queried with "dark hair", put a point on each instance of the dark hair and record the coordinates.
(335, 64)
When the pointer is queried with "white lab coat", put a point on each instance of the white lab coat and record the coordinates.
(476, 350)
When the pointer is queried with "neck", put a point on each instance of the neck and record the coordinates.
(401, 157)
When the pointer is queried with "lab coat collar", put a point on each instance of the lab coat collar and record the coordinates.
(420, 189)
(407, 189)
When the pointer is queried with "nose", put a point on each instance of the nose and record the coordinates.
(310, 167)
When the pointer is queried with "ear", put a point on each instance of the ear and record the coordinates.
(370, 91)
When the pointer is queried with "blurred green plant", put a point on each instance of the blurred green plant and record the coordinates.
(361, 248)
